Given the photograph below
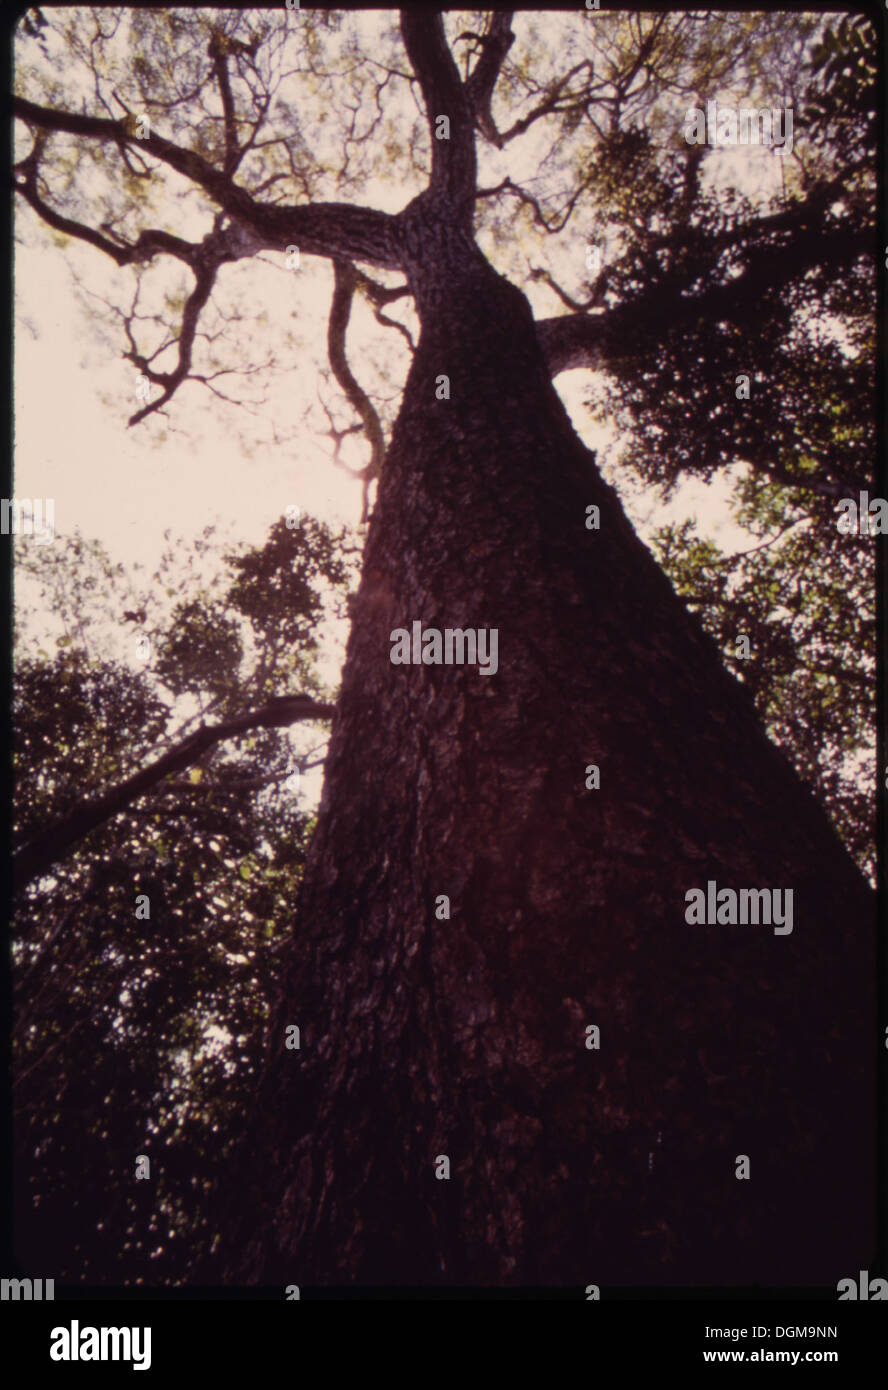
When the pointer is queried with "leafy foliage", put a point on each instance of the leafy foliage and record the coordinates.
(142, 1034)
(846, 104)
(805, 599)
(773, 393)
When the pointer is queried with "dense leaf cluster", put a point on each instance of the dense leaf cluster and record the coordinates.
(142, 1034)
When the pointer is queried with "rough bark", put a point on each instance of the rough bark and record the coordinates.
(466, 1037)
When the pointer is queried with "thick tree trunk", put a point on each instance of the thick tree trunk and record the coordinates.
(467, 1037)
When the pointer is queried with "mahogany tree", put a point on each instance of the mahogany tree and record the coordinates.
(518, 1061)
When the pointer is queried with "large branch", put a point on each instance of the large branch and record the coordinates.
(453, 160)
(495, 44)
(150, 241)
(44, 849)
(219, 56)
(599, 340)
(379, 296)
(204, 258)
(321, 229)
(205, 278)
(346, 280)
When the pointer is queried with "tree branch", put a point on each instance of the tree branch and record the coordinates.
(479, 86)
(320, 229)
(218, 54)
(596, 341)
(555, 100)
(507, 186)
(453, 161)
(205, 278)
(150, 242)
(346, 280)
(44, 849)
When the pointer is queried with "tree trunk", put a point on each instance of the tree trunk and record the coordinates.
(467, 1037)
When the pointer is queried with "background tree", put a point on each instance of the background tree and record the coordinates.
(803, 596)
(805, 601)
(145, 957)
(464, 1037)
